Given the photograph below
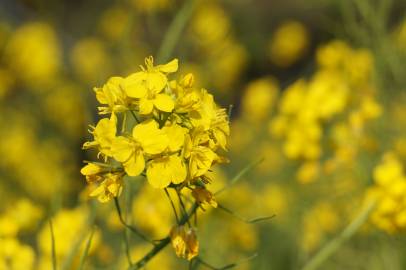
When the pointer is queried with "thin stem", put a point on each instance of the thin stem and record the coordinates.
(131, 228)
(51, 227)
(163, 243)
(236, 178)
(173, 205)
(86, 252)
(183, 207)
(127, 247)
(243, 219)
(339, 240)
(175, 30)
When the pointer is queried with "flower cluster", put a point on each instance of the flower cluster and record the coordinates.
(178, 135)
(389, 191)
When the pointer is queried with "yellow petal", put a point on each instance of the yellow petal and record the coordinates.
(162, 171)
(152, 139)
(164, 103)
(155, 81)
(90, 169)
(134, 85)
(122, 148)
(97, 191)
(135, 165)
(176, 169)
(176, 136)
(156, 175)
(146, 106)
(170, 67)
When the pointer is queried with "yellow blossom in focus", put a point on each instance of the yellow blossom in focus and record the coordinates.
(104, 134)
(146, 138)
(148, 84)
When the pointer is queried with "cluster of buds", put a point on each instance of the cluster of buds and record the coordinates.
(177, 134)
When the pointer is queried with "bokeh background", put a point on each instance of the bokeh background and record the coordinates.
(318, 92)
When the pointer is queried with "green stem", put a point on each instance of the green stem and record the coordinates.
(175, 30)
(338, 241)
(163, 243)
(173, 205)
(131, 228)
(51, 227)
(86, 252)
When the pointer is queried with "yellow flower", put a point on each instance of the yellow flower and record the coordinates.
(146, 138)
(184, 242)
(33, 52)
(110, 187)
(200, 156)
(203, 196)
(148, 84)
(90, 59)
(112, 95)
(165, 170)
(104, 134)
(176, 135)
(188, 97)
(289, 43)
(259, 98)
(90, 169)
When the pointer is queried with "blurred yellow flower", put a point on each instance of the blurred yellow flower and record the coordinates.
(289, 43)
(33, 53)
(90, 60)
(15, 255)
(259, 98)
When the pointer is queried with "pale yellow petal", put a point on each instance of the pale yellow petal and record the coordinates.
(135, 165)
(90, 169)
(164, 103)
(156, 175)
(170, 67)
(152, 139)
(176, 169)
(122, 148)
(176, 136)
(134, 85)
(146, 106)
(155, 81)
